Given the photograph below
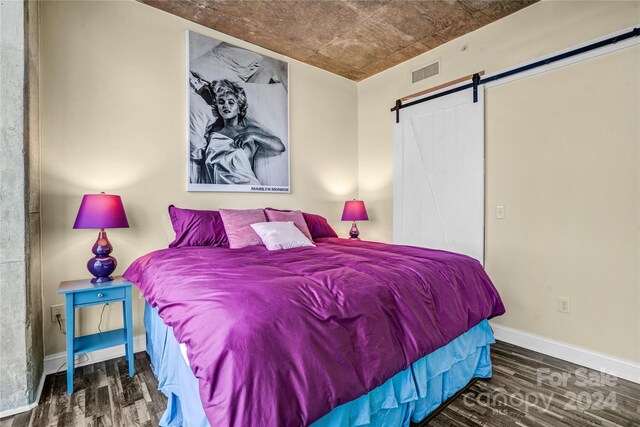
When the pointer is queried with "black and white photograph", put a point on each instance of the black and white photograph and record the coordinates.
(238, 112)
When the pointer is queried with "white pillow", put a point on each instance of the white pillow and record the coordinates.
(280, 235)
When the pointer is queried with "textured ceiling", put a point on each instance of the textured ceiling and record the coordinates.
(355, 39)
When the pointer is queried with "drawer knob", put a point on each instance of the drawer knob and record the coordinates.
(100, 295)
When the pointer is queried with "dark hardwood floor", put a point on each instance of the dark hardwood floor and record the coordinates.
(527, 389)
(532, 389)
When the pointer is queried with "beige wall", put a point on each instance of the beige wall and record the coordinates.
(114, 119)
(112, 89)
(562, 156)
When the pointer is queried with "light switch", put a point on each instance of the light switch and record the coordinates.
(500, 212)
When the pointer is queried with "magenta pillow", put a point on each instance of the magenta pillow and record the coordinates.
(318, 226)
(197, 228)
(237, 224)
(296, 217)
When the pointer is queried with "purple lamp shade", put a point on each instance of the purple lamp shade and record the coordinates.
(354, 210)
(101, 211)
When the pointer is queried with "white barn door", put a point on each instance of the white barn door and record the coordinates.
(438, 194)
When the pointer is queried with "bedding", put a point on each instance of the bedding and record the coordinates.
(318, 225)
(281, 235)
(283, 337)
(237, 224)
(197, 228)
(296, 217)
(410, 395)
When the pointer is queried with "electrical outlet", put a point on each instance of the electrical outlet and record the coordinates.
(500, 212)
(55, 310)
(563, 305)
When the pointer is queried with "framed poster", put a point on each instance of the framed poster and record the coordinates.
(238, 116)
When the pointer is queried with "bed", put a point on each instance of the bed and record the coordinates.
(342, 334)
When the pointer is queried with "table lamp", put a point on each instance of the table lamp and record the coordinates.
(354, 210)
(101, 211)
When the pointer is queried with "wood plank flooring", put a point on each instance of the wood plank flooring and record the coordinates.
(105, 396)
(527, 389)
(532, 390)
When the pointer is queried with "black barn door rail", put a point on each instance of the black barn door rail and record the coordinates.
(476, 80)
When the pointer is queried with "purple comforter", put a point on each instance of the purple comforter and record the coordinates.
(280, 338)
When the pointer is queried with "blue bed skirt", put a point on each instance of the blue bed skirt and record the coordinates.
(410, 395)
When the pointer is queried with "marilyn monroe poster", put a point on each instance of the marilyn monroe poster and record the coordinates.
(238, 119)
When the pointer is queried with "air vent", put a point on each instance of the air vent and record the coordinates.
(425, 72)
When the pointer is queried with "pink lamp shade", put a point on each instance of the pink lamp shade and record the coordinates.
(354, 210)
(101, 211)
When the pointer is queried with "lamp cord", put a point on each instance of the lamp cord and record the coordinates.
(101, 314)
(62, 331)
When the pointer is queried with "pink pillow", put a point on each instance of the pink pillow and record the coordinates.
(237, 224)
(293, 216)
(197, 228)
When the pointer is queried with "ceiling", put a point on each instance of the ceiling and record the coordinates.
(352, 38)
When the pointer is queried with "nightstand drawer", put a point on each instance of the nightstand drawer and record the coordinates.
(98, 296)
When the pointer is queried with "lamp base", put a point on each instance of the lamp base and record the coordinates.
(102, 279)
(101, 268)
(354, 232)
(102, 265)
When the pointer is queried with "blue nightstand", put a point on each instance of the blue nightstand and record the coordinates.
(83, 293)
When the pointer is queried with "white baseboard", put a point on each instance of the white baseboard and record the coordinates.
(56, 362)
(25, 408)
(19, 409)
(624, 369)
